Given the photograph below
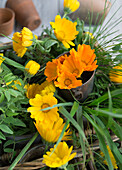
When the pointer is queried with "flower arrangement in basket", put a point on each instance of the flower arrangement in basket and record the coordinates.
(59, 85)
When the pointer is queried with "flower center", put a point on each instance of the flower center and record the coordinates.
(76, 71)
(67, 82)
(45, 105)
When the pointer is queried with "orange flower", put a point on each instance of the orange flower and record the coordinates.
(67, 80)
(73, 65)
(51, 71)
(86, 55)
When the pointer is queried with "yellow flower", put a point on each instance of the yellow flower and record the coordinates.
(111, 157)
(32, 67)
(22, 40)
(71, 5)
(64, 30)
(90, 34)
(87, 56)
(51, 131)
(43, 89)
(116, 75)
(42, 102)
(1, 58)
(60, 156)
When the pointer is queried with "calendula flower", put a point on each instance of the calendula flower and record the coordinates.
(111, 157)
(116, 74)
(51, 131)
(90, 34)
(87, 56)
(71, 5)
(22, 40)
(32, 67)
(41, 102)
(60, 156)
(73, 65)
(64, 30)
(67, 80)
(1, 58)
(42, 89)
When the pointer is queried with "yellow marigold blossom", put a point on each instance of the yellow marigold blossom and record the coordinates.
(51, 131)
(73, 65)
(71, 5)
(111, 157)
(67, 80)
(90, 34)
(42, 102)
(60, 156)
(1, 58)
(32, 67)
(87, 56)
(43, 89)
(22, 40)
(64, 30)
(116, 75)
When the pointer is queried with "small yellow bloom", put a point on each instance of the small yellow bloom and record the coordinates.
(15, 83)
(1, 58)
(64, 30)
(71, 5)
(60, 156)
(41, 102)
(43, 89)
(22, 40)
(90, 34)
(116, 75)
(111, 157)
(32, 67)
(51, 131)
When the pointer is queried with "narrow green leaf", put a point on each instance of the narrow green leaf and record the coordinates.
(7, 143)
(105, 96)
(2, 136)
(50, 43)
(6, 129)
(7, 94)
(14, 93)
(2, 97)
(14, 121)
(9, 150)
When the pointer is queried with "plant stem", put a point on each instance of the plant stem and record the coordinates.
(23, 152)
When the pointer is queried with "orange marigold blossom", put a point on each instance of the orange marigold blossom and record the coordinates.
(87, 56)
(67, 80)
(51, 131)
(41, 102)
(73, 65)
(116, 74)
(71, 5)
(32, 67)
(60, 156)
(64, 30)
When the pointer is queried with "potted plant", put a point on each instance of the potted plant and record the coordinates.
(38, 69)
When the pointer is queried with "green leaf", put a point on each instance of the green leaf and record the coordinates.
(6, 129)
(7, 143)
(116, 47)
(9, 150)
(50, 43)
(14, 64)
(105, 96)
(14, 121)
(2, 136)
(106, 113)
(2, 97)
(10, 113)
(14, 93)
(7, 94)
